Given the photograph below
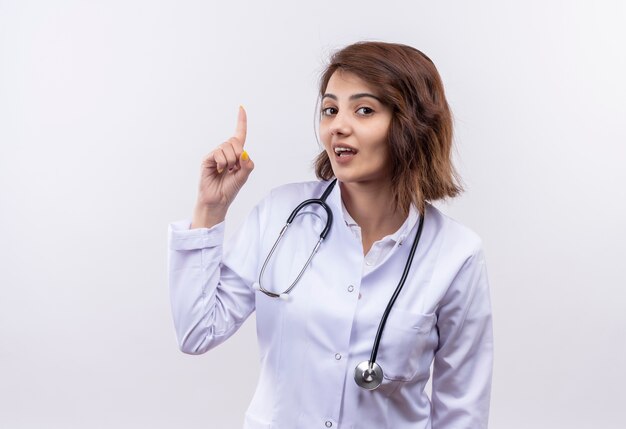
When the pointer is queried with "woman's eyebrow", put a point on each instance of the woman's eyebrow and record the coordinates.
(353, 96)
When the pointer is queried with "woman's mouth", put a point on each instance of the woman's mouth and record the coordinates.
(342, 151)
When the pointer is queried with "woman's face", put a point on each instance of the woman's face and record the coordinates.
(353, 129)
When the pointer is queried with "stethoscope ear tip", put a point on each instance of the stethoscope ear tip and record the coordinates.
(284, 296)
(256, 286)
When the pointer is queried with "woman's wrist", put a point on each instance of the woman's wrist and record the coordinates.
(207, 217)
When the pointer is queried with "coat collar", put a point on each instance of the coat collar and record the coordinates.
(335, 202)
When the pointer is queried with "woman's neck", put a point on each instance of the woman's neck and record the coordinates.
(372, 206)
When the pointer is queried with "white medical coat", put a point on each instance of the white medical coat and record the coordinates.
(310, 345)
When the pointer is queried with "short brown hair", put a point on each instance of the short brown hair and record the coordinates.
(420, 133)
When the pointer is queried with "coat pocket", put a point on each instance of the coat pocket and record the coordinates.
(407, 345)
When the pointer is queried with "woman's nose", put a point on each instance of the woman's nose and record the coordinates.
(340, 125)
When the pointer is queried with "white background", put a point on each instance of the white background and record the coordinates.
(107, 108)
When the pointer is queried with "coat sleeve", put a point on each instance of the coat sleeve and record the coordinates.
(463, 361)
(210, 287)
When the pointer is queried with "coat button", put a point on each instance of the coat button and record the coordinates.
(350, 288)
(337, 356)
(328, 424)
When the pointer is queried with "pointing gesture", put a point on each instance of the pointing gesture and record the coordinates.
(223, 173)
(242, 125)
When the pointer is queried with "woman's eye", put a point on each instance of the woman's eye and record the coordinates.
(327, 111)
(365, 111)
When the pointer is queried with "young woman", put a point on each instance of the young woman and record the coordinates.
(347, 334)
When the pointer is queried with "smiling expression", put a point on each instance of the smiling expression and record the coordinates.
(353, 128)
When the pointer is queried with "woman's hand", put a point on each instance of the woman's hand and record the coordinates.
(223, 173)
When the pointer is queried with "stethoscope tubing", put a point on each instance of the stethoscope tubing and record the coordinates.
(329, 221)
(396, 293)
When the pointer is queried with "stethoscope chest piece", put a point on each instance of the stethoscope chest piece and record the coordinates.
(368, 376)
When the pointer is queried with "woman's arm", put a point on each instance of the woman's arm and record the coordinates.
(463, 361)
(211, 295)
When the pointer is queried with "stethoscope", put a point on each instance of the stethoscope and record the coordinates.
(368, 374)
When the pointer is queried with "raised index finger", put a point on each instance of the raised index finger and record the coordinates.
(242, 125)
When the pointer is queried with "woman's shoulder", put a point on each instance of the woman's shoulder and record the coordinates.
(455, 237)
(281, 200)
(295, 187)
(297, 191)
